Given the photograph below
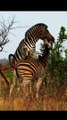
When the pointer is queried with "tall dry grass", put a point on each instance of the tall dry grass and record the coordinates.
(47, 101)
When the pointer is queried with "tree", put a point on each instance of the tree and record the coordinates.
(57, 68)
(4, 31)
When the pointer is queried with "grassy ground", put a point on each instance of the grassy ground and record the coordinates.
(56, 100)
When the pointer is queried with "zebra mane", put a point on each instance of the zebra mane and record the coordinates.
(42, 24)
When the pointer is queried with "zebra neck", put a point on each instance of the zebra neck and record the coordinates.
(43, 62)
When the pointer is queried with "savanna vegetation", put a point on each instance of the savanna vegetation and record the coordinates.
(56, 71)
(53, 93)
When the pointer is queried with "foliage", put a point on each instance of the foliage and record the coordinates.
(10, 75)
(56, 73)
(66, 53)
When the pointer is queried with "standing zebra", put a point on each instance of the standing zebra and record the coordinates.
(30, 71)
(26, 47)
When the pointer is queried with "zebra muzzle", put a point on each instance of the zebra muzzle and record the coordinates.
(47, 43)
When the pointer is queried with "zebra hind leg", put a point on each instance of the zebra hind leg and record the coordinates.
(27, 88)
(12, 85)
(38, 85)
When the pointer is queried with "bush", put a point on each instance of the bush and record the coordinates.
(10, 75)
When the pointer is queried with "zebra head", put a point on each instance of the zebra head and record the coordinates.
(46, 35)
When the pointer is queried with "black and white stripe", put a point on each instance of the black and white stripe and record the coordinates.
(26, 47)
(30, 71)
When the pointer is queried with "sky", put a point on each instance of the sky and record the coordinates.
(26, 19)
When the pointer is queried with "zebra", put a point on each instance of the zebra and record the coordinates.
(27, 46)
(30, 71)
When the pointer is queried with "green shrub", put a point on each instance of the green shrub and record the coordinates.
(10, 75)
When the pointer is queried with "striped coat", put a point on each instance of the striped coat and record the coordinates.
(31, 71)
(27, 46)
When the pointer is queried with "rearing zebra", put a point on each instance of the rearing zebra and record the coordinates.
(26, 47)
